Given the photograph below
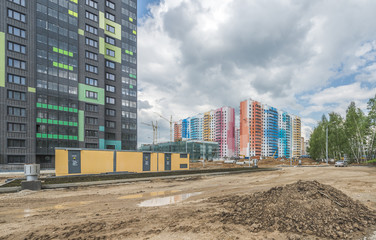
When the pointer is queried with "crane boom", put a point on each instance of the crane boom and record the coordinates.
(170, 121)
(155, 130)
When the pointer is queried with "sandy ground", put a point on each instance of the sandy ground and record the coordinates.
(113, 211)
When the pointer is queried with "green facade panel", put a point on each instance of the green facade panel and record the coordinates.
(104, 21)
(82, 88)
(117, 51)
(81, 125)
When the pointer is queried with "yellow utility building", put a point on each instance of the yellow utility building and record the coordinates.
(75, 161)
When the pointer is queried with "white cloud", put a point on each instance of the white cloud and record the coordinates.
(196, 55)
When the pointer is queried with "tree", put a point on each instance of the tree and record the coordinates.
(316, 147)
(355, 135)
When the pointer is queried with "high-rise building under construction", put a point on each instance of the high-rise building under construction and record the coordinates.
(68, 77)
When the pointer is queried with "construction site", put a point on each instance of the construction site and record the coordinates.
(279, 200)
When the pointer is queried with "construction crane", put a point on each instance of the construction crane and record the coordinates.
(155, 130)
(171, 122)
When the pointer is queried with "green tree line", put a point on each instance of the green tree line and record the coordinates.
(353, 135)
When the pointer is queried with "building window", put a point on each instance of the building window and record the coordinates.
(91, 55)
(15, 47)
(16, 159)
(91, 81)
(91, 29)
(16, 31)
(91, 68)
(91, 120)
(91, 133)
(110, 4)
(110, 16)
(110, 124)
(110, 100)
(91, 145)
(110, 136)
(16, 63)
(132, 104)
(110, 52)
(91, 42)
(110, 76)
(16, 15)
(16, 127)
(19, 2)
(92, 4)
(133, 115)
(110, 88)
(110, 40)
(110, 28)
(16, 79)
(110, 64)
(91, 107)
(110, 112)
(16, 95)
(90, 94)
(16, 143)
(91, 16)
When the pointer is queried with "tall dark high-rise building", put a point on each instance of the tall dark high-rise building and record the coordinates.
(68, 77)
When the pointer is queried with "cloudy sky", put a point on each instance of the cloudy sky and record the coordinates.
(306, 57)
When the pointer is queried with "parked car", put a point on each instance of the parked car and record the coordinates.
(340, 164)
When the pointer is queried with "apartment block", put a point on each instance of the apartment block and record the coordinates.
(177, 131)
(265, 131)
(68, 77)
(237, 141)
(216, 126)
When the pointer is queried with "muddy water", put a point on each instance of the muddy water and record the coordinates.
(156, 202)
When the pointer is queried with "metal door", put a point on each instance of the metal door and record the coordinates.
(146, 162)
(74, 161)
(167, 161)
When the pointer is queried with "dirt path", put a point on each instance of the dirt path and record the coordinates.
(112, 211)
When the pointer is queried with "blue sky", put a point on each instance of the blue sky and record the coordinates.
(306, 57)
(142, 7)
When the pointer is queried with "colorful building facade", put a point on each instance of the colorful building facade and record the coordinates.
(215, 126)
(265, 131)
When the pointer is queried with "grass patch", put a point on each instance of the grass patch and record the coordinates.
(118, 176)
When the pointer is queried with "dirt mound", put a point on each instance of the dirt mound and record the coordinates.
(304, 207)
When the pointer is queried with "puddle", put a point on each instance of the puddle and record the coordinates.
(156, 202)
(27, 213)
(151, 194)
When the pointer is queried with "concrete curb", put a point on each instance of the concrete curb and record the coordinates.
(10, 189)
(95, 183)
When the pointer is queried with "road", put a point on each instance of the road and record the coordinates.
(113, 211)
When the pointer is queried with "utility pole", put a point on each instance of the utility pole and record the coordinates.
(327, 145)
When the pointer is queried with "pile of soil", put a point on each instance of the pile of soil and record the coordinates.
(304, 207)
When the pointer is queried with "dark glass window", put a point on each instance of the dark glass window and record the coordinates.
(16, 15)
(15, 95)
(16, 31)
(91, 107)
(16, 79)
(16, 143)
(15, 47)
(90, 94)
(16, 159)
(19, 2)
(91, 81)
